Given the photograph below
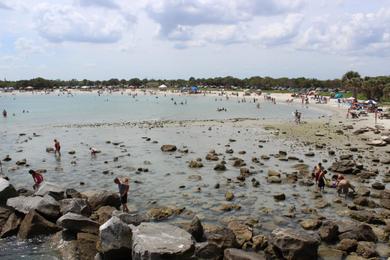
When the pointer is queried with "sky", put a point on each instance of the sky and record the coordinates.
(172, 39)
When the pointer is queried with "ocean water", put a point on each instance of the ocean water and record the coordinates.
(169, 181)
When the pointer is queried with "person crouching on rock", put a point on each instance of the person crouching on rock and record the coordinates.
(123, 190)
(343, 186)
(38, 178)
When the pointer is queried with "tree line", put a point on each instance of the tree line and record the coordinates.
(372, 87)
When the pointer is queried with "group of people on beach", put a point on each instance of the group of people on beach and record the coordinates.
(123, 185)
(338, 181)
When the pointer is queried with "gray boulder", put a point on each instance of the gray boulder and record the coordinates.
(34, 225)
(129, 218)
(78, 223)
(115, 238)
(168, 148)
(51, 189)
(97, 199)
(207, 250)
(6, 191)
(161, 241)
(11, 226)
(222, 237)
(361, 232)
(46, 205)
(343, 166)
(292, 244)
(78, 206)
(329, 231)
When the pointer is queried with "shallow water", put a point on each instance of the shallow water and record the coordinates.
(167, 172)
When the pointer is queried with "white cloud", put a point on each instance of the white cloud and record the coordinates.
(4, 6)
(102, 3)
(171, 15)
(26, 46)
(61, 23)
(357, 34)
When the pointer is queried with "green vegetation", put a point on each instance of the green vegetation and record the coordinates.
(352, 83)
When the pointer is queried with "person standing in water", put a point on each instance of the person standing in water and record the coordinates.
(57, 147)
(4, 113)
(37, 177)
(123, 190)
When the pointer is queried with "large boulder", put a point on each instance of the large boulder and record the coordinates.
(78, 206)
(97, 199)
(238, 254)
(86, 245)
(6, 191)
(196, 229)
(52, 189)
(168, 148)
(78, 223)
(361, 232)
(343, 166)
(222, 237)
(46, 205)
(291, 244)
(115, 239)
(103, 214)
(34, 225)
(5, 212)
(161, 241)
(242, 232)
(129, 218)
(11, 226)
(207, 250)
(329, 231)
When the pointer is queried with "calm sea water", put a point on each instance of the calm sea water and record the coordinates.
(47, 115)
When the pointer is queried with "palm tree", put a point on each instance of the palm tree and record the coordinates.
(352, 80)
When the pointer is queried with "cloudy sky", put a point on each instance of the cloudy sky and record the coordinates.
(101, 39)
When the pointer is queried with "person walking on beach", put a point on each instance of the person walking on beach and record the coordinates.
(57, 147)
(37, 177)
(123, 190)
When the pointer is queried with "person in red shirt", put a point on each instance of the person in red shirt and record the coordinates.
(38, 178)
(57, 147)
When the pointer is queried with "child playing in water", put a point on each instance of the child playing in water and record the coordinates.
(123, 190)
(38, 178)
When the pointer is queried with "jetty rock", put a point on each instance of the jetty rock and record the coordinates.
(115, 238)
(46, 205)
(161, 241)
(76, 205)
(52, 189)
(78, 223)
(34, 225)
(6, 191)
(97, 199)
(294, 245)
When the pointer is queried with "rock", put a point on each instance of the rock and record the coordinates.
(329, 232)
(163, 213)
(364, 201)
(49, 149)
(6, 191)
(367, 216)
(221, 237)
(86, 245)
(168, 148)
(260, 242)
(347, 245)
(206, 250)
(72, 194)
(97, 199)
(7, 158)
(310, 154)
(363, 191)
(229, 196)
(377, 143)
(290, 244)
(220, 167)
(366, 249)
(21, 162)
(273, 173)
(330, 253)
(5, 212)
(274, 179)
(78, 206)
(362, 232)
(46, 205)
(212, 157)
(11, 226)
(238, 254)
(51, 189)
(238, 162)
(343, 166)
(195, 164)
(196, 229)
(78, 223)
(133, 219)
(242, 232)
(115, 239)
(280, 196)
(34, 225)
(378, 186)
(72, 152)
(160, 240)
(385, 203)
(103, 214)
(310, 224)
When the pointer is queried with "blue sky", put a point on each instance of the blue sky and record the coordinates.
(101, 39)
